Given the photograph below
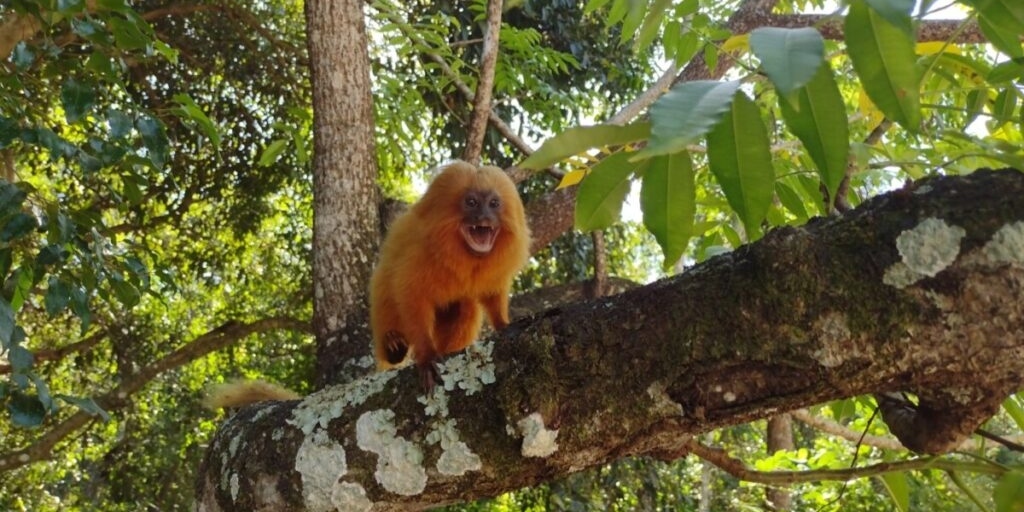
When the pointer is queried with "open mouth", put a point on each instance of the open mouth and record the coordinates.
(479, 238)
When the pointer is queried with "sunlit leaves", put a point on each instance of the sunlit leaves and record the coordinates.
(668, 200)
(155, 139)
(883, 57)
(272, 152)
(193, 115)
(819, 121)
(602, 192)
(685, 114)
(740, 158)
(790, 57)
(577, 140)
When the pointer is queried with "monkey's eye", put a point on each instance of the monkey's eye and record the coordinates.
(472, 202)
(495, 203)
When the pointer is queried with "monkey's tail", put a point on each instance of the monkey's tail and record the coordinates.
(240, 393)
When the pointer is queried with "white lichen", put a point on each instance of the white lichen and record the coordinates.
(538, 441)
(456, 458)
(320, 462)
(435, 403)
(930, 247)
(1007, 245)
(832, 333)
(399, 462)
(348, 496)
(470, 370)
(234, 486)
(318, 409)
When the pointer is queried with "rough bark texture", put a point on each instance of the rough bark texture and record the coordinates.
(919, 291)
(345, 222)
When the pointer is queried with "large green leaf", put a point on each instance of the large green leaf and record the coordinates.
(899, 489)
(77, 98)
(581, 138)
(1009, 492)
(821, 125)
(790, 57)
(883, 57)
(1006, 40)
(26, 410)
(668, 198)
(686, 113)
(1007, 15)
(649, 30)
(634, 17)
(191, 112)
(599, 201)
(896, 12)
(740, 158)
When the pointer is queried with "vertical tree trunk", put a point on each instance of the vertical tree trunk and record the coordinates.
(780, 437)
(345, 225)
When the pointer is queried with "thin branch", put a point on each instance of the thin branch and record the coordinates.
(740, 470)
(116, 398)
(485, 85)
(54, 354)
(644, 100)
(886, 443)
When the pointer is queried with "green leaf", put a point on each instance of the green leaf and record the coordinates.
(191, 112)
(272, 152)
(791, 200)
(126, 294)
(21, 358)
(602, 192)
(1002, 109)
(78, 98)
(593, 5)
(899, 489)
(668, 199)
(26, 410)
(1007, 41)
(1007, 15)
(80, 306)
(1009, 492)
(790, 57)
(896, 12)
(58, 294)
(649, 29)
(883, 57)
(11, 198)
(634, 16)
(9, 131)
(127, 34)
(155, 140)
(87, 405)
(686, 113)
(6, 324)
(822, 126)
(17, 226)
(740, 158)
(1014, 407)
(581, 138)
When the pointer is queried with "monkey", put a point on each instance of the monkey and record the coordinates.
(447, 259)
(444, 263)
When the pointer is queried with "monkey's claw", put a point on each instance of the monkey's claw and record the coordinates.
(395, 347)
(429, 375)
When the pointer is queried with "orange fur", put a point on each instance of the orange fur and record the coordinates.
(430, 287)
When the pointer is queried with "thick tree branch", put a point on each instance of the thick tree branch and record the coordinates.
(917, 289)
(117, 397)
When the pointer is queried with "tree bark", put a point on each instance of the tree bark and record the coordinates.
(918, 290)
(345, 222)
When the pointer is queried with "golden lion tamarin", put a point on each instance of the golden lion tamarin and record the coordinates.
(454, 252)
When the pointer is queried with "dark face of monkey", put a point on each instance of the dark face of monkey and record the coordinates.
(481, 220)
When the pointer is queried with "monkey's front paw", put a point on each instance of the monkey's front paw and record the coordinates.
(395, 347)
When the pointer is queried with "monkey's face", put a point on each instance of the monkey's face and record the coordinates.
(481, 220)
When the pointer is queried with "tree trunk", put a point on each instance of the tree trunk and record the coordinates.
(345, 223)
(919, 290)
(780, 437)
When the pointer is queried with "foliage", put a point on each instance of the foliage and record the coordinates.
(156, 188)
